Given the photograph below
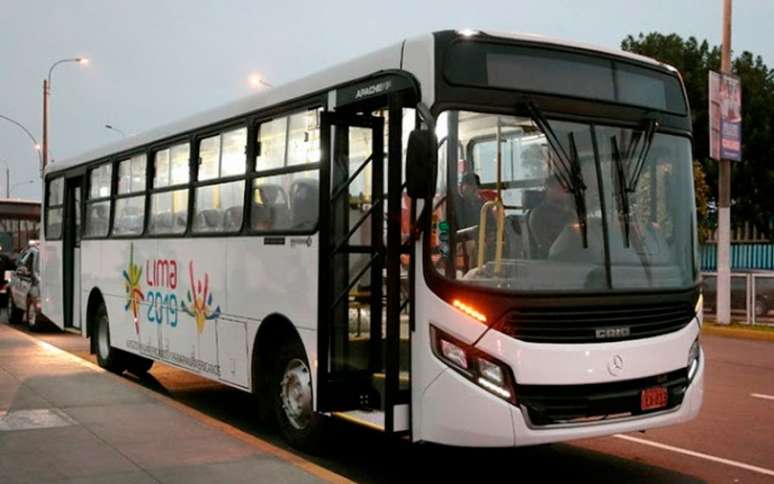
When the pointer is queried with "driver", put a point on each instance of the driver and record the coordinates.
(547, 220)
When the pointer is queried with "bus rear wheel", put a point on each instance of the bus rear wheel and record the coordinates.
(109, 358)
(291, 389)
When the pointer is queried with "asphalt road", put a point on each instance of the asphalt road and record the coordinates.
(731, 441)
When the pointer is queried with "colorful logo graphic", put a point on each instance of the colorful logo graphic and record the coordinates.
(200, 302)
(134, 296)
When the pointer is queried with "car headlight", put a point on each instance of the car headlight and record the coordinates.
(693, 359)
(478, 367)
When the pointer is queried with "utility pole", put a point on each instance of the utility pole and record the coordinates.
(45, 123)
(723, 303)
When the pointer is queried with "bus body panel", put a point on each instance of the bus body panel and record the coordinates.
(51, 281)
(419, 60)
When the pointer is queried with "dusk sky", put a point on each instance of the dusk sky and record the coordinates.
(155, 61)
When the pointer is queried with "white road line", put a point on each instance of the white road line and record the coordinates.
(761, 395)
(741, 465)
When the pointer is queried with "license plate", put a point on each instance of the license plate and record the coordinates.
(652, 398)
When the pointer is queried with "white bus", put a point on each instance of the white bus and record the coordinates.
(468, 238)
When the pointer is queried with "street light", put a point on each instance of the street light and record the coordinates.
(29, 134)
(17, 184)
(7, 179)
(113, 128)
(46, 94)
(256, 81)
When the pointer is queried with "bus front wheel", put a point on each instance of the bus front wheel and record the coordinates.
(109, 358)
(293, 400)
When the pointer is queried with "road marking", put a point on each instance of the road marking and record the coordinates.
(761, 395)
(700, 455)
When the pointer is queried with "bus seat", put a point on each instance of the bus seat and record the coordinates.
(304, 195)
(209, 220)
(232, 219)
(270, 207)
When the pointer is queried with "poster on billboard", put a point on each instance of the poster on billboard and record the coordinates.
(725, 117)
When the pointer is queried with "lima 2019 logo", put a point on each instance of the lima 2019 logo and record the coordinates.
(161, 280)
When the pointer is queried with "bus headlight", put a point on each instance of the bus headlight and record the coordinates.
(699, 310)
(693, 359)
(478, 367)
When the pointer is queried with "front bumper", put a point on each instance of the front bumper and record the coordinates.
(455, 411)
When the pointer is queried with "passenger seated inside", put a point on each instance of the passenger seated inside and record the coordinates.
(468, 202)
(550, 217)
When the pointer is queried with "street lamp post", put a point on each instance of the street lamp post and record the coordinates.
(17, 184)
(29, 134)
(46, 94)
(113, 128)
(7, 179)
(256, 81)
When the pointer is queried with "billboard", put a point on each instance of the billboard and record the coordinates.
(725, 116)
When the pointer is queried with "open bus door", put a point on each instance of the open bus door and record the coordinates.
(71, 254)
(363, 364)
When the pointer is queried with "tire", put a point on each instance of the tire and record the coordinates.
(109, 358)
(137, 365)
(291, 391)
(34, 320)
(14, 314)
(761, 308)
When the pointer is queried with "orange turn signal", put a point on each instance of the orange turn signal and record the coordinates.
(469, 310)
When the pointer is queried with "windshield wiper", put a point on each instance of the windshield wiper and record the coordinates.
(624, 184)
(621, 189)
(568, 173)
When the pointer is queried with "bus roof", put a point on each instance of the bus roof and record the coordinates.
(387, 58)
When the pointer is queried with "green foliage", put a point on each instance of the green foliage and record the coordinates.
(702, 193)
(752, 180)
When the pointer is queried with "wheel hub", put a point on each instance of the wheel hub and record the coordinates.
(103, 339)
(296, 393)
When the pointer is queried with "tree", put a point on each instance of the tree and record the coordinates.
(752, 180)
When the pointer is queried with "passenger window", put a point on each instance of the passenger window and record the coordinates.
(169, 212)
(54, 208)
(171, 166)
(131, 175)
(219, 207)
(271, 144)
(286, 202)
(304, 138)
(130, 211)
(98, 203)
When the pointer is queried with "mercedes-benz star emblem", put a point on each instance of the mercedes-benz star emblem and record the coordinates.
(616, 365)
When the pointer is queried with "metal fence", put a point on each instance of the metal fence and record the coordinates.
(743, 256)
(752, 296)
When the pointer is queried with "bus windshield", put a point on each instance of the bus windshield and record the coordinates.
(577, 206)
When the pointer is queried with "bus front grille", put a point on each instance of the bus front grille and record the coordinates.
(580, 404)
(595, 324)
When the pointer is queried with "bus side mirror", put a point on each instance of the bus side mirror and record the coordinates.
(421, 155)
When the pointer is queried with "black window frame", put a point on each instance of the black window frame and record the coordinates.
(195, 183)
(255, 174)
(86, 200)
(49, 207)
(151, 189)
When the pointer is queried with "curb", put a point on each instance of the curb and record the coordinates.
(738, 332)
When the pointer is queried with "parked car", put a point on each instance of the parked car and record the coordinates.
(24, 290)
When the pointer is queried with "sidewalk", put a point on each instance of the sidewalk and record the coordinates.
(63, 419)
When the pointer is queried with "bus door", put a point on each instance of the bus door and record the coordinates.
(359, 286)
(71, 255)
